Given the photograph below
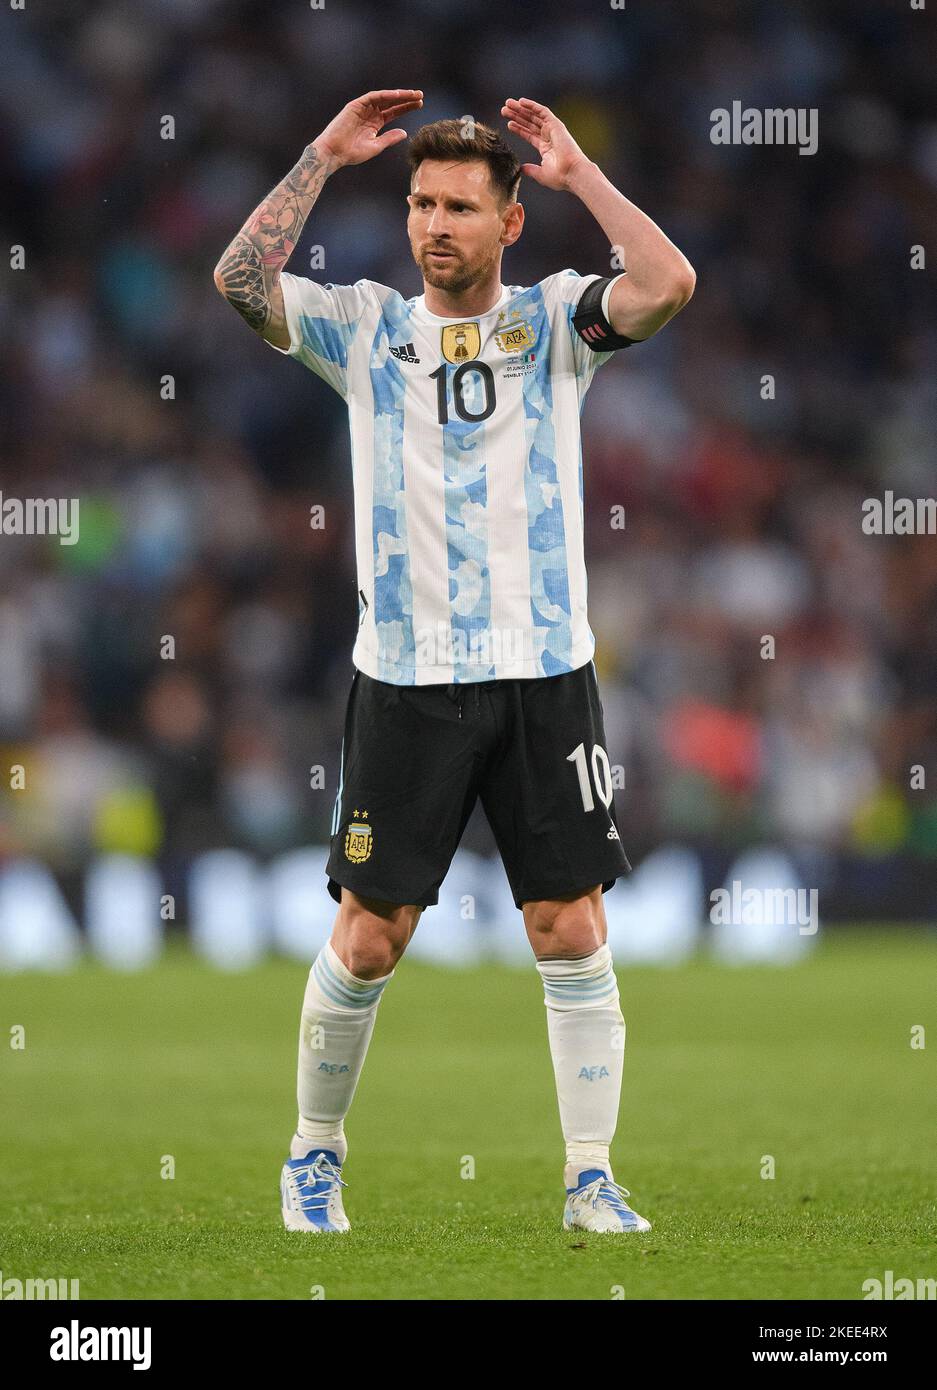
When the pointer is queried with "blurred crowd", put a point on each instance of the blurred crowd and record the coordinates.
(176, 679)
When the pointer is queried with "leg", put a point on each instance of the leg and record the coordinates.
(339, 1008)
(370, 936)
(584, 1022)
(549, 798)
(339, 1011)
(568, 926)
(406, 789)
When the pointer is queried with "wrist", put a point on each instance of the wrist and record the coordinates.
(320, 151)
(581, 173)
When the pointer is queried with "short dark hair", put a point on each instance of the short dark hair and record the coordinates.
(451, 139)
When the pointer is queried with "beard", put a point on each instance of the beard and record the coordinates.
(455, 275)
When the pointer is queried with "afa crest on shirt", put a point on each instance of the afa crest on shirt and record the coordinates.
(460, 342)
(358, 839)
(516, 337)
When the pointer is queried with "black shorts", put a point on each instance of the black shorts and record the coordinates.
(415, 758)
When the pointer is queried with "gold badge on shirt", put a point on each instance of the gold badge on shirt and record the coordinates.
(516, 337)
(460, 342)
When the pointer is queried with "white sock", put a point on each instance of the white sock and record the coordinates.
(587, 1038)
(338, 1017)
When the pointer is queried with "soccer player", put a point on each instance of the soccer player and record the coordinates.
(474, 672)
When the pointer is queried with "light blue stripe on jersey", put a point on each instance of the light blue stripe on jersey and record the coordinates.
(328, 338)
(393, 591)
(465, 485)
(551, 612)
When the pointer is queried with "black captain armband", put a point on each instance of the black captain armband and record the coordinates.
(591, 324)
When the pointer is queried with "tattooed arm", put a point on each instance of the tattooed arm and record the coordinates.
(248, 274)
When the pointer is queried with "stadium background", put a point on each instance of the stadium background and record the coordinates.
(191, 777)
(742, 515)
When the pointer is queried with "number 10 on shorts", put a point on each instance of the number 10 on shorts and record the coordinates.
(601, 775)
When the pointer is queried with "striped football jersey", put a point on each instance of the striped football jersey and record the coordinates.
(467, 467)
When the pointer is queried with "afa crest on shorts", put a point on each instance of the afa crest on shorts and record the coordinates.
(358, 839)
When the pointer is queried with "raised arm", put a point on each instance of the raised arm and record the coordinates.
(659, 279)
(248, 274)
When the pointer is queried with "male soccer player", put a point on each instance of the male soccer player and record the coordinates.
(474, 673)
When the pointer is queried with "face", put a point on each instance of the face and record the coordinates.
(454, 210)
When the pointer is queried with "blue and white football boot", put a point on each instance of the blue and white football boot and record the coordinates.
(311, 1193)
(597, 1204)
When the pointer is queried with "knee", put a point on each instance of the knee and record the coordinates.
(371, 936)
(566, 927)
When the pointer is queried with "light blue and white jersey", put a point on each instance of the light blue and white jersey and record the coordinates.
(467, 465)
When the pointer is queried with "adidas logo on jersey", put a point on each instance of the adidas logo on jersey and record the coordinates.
(612, 834)
(405, 353)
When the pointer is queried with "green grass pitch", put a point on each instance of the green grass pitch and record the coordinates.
(812, 1065)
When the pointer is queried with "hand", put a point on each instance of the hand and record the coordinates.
(352, 137)
(559, 153)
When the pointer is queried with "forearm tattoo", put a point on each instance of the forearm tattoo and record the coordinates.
(252, 264)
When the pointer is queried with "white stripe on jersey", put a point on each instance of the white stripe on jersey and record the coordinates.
(467, 475)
